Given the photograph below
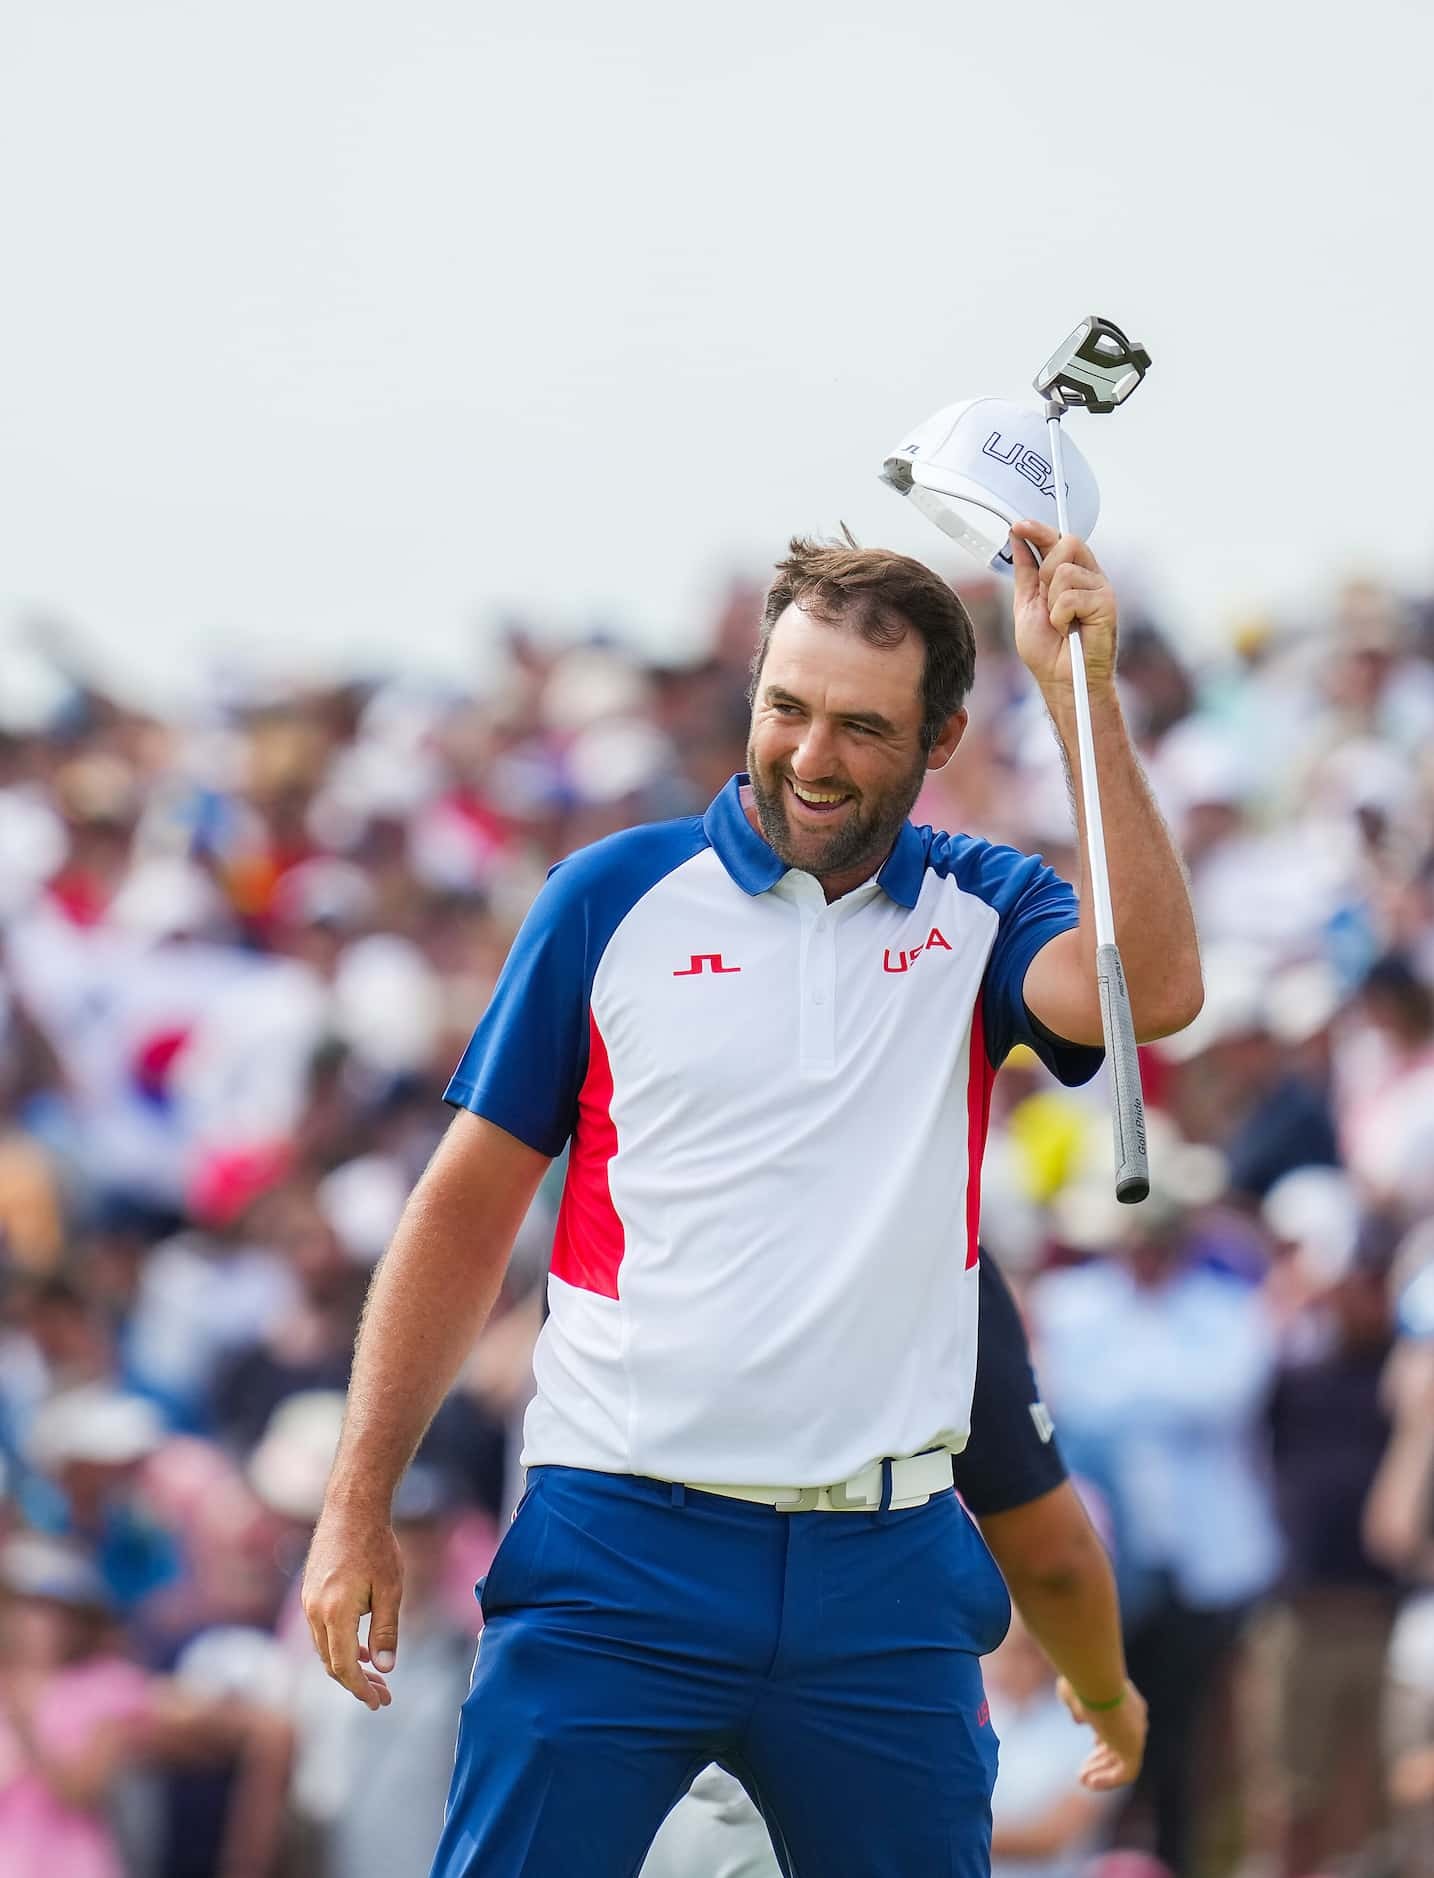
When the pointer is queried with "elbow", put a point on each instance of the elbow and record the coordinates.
(1061, 1572)
(1176, 1009)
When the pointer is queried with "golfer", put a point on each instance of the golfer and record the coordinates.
(767, 1036)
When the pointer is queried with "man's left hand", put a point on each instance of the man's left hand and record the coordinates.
(1067, 590)
(1115, 1759)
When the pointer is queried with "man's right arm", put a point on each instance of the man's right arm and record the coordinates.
(429, 1300)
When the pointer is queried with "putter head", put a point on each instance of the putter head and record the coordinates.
(1095, 367)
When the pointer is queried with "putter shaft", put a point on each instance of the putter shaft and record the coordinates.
(1085, 740)
(1132, 1175)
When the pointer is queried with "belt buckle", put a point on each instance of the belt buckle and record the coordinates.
(844, 1502)
(804, 1502)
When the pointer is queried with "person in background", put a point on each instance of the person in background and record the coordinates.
(1322, 1642)
(1399, 1531)
(69, 1713)
(88, 1447)
(1157, 1370)
(1043, 1820)
(76, 1717)
(1384, 1087)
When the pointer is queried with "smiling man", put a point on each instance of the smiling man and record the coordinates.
(766, 1037)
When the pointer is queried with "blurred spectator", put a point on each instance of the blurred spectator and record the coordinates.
(1399, 1530)
(213, 1288)
(76, 1718)
(87, 1445)
(1322, 1642)
(1044, 1823)
(1386, 1087)
(309, 1344)
(1156, 1369)
(1240, 1081)
(68, 1709)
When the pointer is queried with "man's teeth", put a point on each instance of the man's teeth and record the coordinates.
(815, 795)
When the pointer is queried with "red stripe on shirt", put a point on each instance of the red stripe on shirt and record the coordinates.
(588, 1244)
(979, 1078)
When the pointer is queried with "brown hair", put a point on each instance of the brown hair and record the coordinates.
(884, 596)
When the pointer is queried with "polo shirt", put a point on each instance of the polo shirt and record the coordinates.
(765, 1264)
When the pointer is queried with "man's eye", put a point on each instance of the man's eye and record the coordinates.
(786, 710)
(865, 729)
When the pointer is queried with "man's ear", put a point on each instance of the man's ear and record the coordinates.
(944, 748)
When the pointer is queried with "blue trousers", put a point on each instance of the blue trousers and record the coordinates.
(635, 1631)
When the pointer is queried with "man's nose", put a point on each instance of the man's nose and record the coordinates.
(812, 760)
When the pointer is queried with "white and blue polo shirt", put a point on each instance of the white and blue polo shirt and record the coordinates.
(764, 1271)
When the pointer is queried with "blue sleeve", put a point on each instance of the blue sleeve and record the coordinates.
(1012, 1457)
(527, 1059)
(1033, 905)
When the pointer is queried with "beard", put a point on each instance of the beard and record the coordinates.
(865, 834)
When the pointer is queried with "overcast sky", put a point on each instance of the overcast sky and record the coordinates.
(337, 327)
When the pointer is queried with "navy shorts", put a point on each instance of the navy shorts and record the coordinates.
(633, 1633)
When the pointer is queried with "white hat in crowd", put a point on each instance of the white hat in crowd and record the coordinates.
(362, 1201)
(33, 1565)
(1315, 1210)
(290, 1467)
(94, 1423)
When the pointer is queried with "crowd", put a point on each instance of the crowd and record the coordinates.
(241, 955)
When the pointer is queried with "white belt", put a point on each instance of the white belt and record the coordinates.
(913, 1481)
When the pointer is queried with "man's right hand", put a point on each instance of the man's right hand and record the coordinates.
(354, 1566)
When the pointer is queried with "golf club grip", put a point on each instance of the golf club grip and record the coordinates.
(1132, 1164)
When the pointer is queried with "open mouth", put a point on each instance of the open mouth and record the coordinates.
(820, 804)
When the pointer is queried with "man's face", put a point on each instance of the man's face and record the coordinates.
(834, 751)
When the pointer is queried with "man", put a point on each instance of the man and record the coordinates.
(1013, 1479)
(770, 1033)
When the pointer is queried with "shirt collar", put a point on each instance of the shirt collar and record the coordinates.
(756, 867)
(904, 868)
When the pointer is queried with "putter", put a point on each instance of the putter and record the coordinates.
(1097, 368)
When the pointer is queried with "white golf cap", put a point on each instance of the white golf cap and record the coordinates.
(976, 467)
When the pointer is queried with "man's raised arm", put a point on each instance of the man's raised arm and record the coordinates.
(429, 1299)
(1154, 922)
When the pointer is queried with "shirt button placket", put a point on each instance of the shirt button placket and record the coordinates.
(819, 1001)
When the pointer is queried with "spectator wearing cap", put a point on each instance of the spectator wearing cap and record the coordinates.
(77, 1719)
(69, 1709)
(89, 1444)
